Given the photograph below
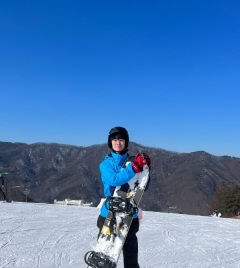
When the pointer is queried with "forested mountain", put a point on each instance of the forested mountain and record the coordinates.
(56, 171)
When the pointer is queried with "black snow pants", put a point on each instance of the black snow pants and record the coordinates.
(130, 248)
(3, 194)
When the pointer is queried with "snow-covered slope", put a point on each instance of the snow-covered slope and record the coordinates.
(42, 236)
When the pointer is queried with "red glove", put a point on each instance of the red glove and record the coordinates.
(140, 160)
(136, 167)
(147, 159)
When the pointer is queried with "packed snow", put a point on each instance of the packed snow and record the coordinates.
(42, 236)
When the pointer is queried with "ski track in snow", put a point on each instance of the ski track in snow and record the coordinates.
(44, 236)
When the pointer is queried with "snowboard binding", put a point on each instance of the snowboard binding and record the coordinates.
(98, 260)
(118, 204)
(115, 205)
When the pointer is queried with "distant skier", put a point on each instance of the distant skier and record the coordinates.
(113, 175)
(216, 213)
(2, 188)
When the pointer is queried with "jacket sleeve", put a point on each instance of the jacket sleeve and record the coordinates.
(113, 178)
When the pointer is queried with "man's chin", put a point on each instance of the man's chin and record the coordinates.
(118, 150)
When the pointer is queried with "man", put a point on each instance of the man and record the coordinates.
(112, 175)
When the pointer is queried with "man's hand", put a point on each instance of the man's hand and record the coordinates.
(140, 160)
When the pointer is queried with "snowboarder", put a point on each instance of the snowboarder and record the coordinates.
(113, 175)
(215, 213)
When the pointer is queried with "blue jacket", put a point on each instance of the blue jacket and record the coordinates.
(113, 175)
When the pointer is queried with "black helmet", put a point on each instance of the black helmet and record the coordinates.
(118, 130)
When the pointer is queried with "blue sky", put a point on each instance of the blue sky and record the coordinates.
(168, 71)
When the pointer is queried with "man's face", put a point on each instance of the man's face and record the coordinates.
(118, 144)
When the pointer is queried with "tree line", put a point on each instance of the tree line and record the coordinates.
(226, 200)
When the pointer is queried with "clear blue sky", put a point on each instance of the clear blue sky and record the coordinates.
(168, 71)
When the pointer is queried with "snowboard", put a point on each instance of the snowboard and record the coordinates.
(122, 207)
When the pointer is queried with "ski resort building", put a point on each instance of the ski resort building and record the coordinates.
(73, 203)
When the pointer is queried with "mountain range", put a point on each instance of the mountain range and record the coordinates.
(52, 171)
